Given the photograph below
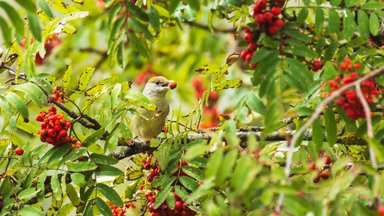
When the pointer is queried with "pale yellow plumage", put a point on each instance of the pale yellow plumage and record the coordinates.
(148, 124)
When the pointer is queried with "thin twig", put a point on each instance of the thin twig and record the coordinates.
(367, 112)
(314, 116)
(205, 27)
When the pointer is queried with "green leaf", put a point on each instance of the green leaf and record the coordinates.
(363, 24)
(331, 127)
(28, 5)
(226, 169)
(72, 194)
(303, 14)
(14, 17)
(353, 3)
(78, 179)
(67, 77)
(136, 11)
(163, 156)
(93, 137)
(28, 210)
(378, 149)
(85, 77)
(262, 54)
(214, 163)
(103, 207)
(194, 172)
(165, 190)
(171, 200)
(138, 99)
(317, 134)
(103, 159)
(329, 71)
(28, 193)
(194, 4)
(297, 35)
(335, 2)
(374, 24)
(110, 194)
(106, 170)
(244, 174)
(139, 27)
(140, 46)
(154, 18)
(45, 8)
(188, 183)
(255, 104)
(6, 31)
(65, 210)
(181, 192)
(56, 187)
(32, 92)
(34, 25)
(334, 22)
(373, 5)
(17, 103)
(82, 166)
(319, 20)
(59, 153)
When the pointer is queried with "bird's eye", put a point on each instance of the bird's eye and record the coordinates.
(157, 82)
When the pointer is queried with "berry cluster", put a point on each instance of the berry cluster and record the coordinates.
(58, 94)
(324, 173)
(54, 127)
(164, 210)
(252, 46)
(211, 112)
(155, 172)
(267, 16)
(349, 99)
(317, 65)
(116, 210)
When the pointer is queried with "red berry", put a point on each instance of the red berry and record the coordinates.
(19, 151)
(63, 133)
(248, 37)
(380, 210)
(268, 17)
(252, 46)
(244, 54)
(279, 23)
(276, 11)
(272, 30)
(317, 65)
(260, 19)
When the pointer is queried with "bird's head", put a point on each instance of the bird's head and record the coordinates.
(158, 85)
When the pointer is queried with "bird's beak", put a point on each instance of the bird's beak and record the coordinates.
(172, 84)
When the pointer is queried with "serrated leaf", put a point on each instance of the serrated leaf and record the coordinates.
(103, 159)
(188, 183)
(353, 3)
(297, 35)
(110, 194)
(103, 207)
(226, 168)
(331, 127)
(17, 103)
(93, 137)
(319, 20)
(67, 77)
(139, 45)
(171, 200)
(85, 77)
(225, 84)
(82, 166)
(65, 209)
(165, 190)
(163, 156)
(181, 192)
(59, 153)
(14, 17)
(214, 163)
(72, 194)
(374, 24)
(34, 25)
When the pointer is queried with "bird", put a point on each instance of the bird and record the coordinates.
(147, 124)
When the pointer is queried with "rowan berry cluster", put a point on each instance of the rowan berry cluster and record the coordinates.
(210, 110)
(180, 209)
(54, 127)
(247, 54)
(58, 94)
(266, 15)
(116, 210)
(349, 99)
(155, 172)
(324, 173)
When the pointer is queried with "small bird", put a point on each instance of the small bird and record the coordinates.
(149, 123)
